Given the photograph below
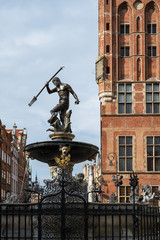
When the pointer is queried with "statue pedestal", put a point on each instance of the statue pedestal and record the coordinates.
(62, 135)
(54, 170)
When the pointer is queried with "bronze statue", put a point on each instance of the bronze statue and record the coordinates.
(63, 91)
(62, 125)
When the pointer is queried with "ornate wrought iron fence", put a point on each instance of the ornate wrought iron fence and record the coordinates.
(111, 221)
(78, 220)
(18, 221)
(62, 216)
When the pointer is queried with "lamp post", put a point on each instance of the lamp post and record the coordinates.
(117, 181)
(118, 178)
(133, 181)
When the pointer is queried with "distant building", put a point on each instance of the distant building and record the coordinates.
(13, 162)
(93, 177)
(15, 159)
(5, 162)
(36, 191)
(94, 170)
(22, 162)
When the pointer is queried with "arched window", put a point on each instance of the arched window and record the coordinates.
(124, 12)
(151, 13)
(139, 69)
(151, 24)
(138, 24)
(125, 28)
(138, 45)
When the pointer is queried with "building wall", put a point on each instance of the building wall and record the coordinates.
(13, 162)
(22, 163)
(14, 180)
(127, 73)
(5, 162)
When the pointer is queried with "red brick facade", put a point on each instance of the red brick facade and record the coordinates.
(6, 162)
(128, 75)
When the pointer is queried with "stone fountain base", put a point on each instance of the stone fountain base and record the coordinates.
(48, 151)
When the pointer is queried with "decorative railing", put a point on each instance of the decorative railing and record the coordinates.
(80, 220)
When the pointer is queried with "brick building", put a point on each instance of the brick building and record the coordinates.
(13, 162)
(128, 76)
(5, 162)
(14, 165)
(21, 181)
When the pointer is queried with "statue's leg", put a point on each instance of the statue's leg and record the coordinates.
(53, 112)
(53, 118)
(61, 108)
(56, 109)
(62, 116)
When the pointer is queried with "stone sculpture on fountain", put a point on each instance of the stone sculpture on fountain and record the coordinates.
(61, 153)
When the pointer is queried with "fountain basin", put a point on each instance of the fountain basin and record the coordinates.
(47, 151)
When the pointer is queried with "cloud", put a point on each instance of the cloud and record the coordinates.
(38, 37)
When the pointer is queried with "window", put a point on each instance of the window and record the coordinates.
(153, 153)
(3, 156)
(138, 45)
(107, 70)
(8, 159)
(138, 24)
(151, 28)
(7, 177)
(124, 28)
(124, 51)
(124, 98)
(107, 26)
(107, 2)
(4, 174)
(107, 48)
(14, 168)
(152, 51)
(125, 153)
(124, 193)
(3, 194)
(153, 98)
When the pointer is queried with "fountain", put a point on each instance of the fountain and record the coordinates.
(64, 212)
(61, 153)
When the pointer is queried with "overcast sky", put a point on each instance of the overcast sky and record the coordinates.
(37, 37)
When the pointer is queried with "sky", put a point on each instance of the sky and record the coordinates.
(37, 37)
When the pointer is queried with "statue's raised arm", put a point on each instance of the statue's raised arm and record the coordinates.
(35, 97)
(63, 90)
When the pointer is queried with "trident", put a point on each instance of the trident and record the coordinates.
(35, 97)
